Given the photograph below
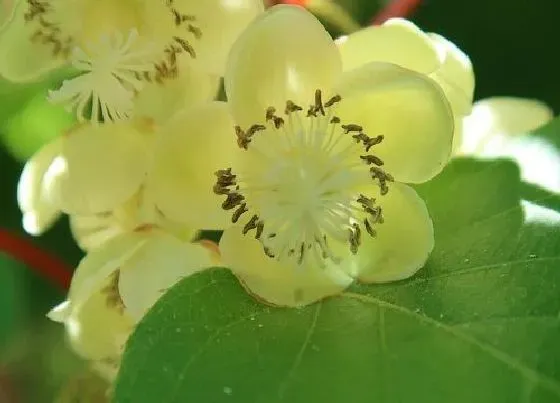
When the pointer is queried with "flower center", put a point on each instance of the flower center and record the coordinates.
(113, 56)
(302, 194)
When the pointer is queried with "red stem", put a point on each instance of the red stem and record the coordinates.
(37, 259)
(396, 9)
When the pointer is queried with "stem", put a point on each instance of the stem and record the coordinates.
(396, 9)
(35, 258)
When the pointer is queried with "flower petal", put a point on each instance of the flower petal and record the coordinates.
(408, 109)
(501, 116)
(96, 329)
(274, 282)
(99, 167)
(161, 262)
(455, 76)
(91, 231)
(39, 213)
(403, 241)
(22, 58)
(102, 262)
(397, 41)
(160, 101)
(194, 145)
(286, 54)
(220, 23)
(7, 11)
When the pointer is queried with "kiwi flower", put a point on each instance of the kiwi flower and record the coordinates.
(119, 47)
(317, 185)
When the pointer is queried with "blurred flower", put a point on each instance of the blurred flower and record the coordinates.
(117, 283)
(118, 47)
(401, 42)
(321, 187)
(493, 121)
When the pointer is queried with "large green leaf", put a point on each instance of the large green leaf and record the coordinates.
(480, 323)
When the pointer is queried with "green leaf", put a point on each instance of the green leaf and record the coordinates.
(480, 323)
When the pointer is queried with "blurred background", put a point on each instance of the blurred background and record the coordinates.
(512, 47)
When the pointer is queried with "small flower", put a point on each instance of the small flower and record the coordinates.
(401, 42)
(113, 73)
(316, 188)
(117, 283)
(494, 120)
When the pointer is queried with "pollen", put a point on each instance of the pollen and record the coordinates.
(301, 191)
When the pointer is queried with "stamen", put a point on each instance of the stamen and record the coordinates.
(302, 197)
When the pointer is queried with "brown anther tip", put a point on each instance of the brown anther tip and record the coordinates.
(270, 111)
(252, 224)
(332, 101)
(352, 128)
(372, 159)
(319, 103)
(278, 122)
(292, 107)
(335, 120)
(239, 212)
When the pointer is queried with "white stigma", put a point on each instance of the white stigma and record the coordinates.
(112, 72)
(303, 191)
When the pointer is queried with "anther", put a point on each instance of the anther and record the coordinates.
(354, 238)
(372, 159)
(260, 228)
(252, 224)
(332, 101)
(232, 200)
(292, 107)
(369, 228)
(352, 128)
(239, 212)
(335, 120)
(319, 103)
(185, 45)
(301, 253)
(195, 31)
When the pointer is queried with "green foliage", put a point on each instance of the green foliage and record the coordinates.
(480, 323)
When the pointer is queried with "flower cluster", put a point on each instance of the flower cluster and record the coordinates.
(306, 168)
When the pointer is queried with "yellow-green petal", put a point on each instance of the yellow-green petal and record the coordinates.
(190, 148)
(7, 11)
(102, 262)
(160, 101)
(403, 242)
(285, 54)
(408, 109)
(21, 58)
(161, 262)
(274, 282)
(455, 76)
(220, 23)
(91, 231)
(100, 166)
(397, 41)
(97, 329)
(39, 213)
(496, 117)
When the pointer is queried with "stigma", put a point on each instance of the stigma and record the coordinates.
(302, 191)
